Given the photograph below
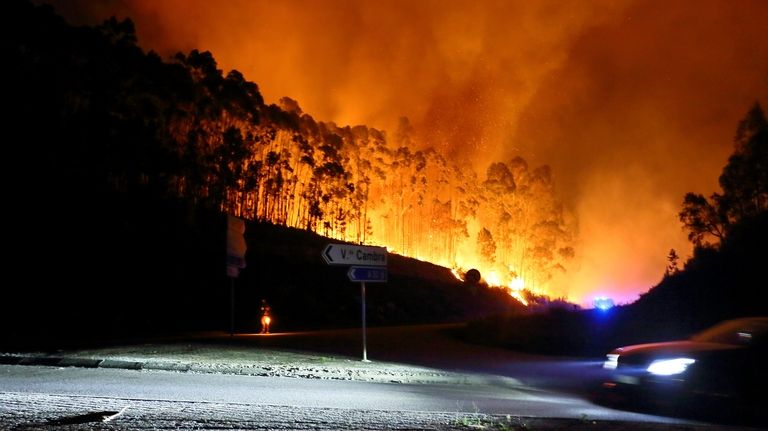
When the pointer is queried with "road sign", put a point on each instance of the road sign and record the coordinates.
(345, 254)
(236, 245)
(372, 274)
(375, 270)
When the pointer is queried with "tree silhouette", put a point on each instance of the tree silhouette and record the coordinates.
(702, 219)
(672, 262)
(745, 178)
(487, 245)
(120, 120)
(744, 182)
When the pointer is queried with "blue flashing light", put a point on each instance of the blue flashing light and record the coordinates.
(603, 303)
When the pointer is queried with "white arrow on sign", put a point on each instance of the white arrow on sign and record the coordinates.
(344, 254)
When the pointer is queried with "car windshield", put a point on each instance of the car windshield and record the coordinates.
(739, 331)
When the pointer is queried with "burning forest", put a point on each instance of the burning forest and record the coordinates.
(188, 130)
(548, 144)
(277, 164)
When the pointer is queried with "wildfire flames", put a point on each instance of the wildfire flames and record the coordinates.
(631, 103)
(353, 184)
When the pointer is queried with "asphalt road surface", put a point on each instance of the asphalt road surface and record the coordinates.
(496, 396)
(502, 390)
(48, 394)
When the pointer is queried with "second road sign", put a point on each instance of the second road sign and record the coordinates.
(372, 274)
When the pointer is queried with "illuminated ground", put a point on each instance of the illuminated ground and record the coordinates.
(419, 378)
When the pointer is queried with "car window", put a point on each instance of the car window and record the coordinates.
(739, 331)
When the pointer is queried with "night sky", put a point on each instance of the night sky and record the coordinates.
(632, 103)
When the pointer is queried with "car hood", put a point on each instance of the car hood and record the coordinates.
(673, 348)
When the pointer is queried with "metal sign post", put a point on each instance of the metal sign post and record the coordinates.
(363, 274)
(231, 306)
(365, 342)
(374, 271)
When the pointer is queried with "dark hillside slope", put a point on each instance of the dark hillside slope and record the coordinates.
(715, 285)
(116, 179)
(136, 264)
(286, 268)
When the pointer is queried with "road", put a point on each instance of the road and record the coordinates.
(495, 396)
(48, 393)
(501, 389)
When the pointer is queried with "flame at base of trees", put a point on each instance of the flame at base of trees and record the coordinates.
(508, 224)
(277, 164)
(184, 128)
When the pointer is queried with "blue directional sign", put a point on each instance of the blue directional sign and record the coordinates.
(371, 274)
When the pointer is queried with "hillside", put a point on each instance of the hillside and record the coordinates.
(131, 264)
(285, 267)
(715, 285)
(124, 166)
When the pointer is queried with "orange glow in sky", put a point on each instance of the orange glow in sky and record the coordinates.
(632, 103)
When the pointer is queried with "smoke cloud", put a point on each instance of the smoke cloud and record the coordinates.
(633, 104)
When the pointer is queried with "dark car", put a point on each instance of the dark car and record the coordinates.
(727, 362)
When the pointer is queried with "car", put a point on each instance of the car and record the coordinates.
(727, 363)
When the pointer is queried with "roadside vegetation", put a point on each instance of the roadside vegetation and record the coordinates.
(724, 279)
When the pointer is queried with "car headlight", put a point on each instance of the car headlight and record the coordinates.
(611, 361)
(670, 367)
